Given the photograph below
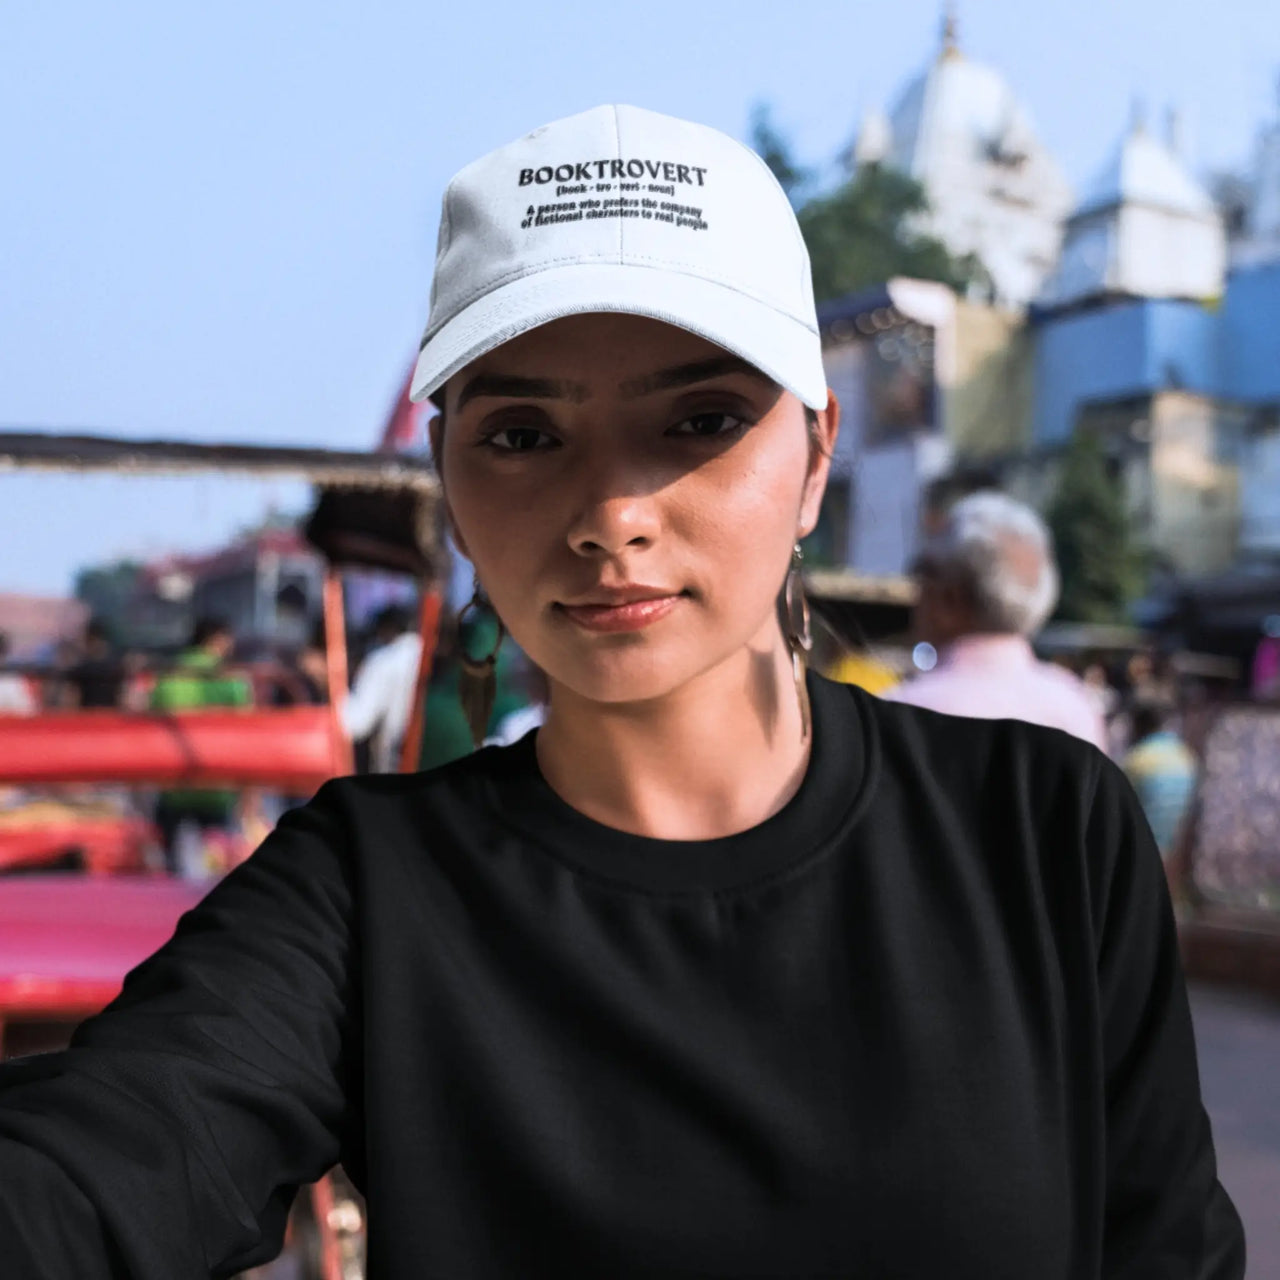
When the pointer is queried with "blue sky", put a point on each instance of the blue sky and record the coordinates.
(218, 221)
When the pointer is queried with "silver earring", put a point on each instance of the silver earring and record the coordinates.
(799, 637)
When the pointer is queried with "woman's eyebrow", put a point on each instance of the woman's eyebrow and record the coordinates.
(512, 385)
(517, 386)
(682, 375)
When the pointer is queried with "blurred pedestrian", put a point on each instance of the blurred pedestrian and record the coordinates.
(313, 664)
(16, 698)
(199, 680)
(1099, 687)
(1264, 677)
(54, 689)
(865, 670)
(1148, 676)
(988, 581)
(1111, 707)
(96, 678)
(302, 680)
(1162, 769)
(382, 693)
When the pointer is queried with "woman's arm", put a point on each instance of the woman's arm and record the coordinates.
(168, 1141)
(1167, 1216)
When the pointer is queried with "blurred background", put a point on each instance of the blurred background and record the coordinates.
(1046, 250)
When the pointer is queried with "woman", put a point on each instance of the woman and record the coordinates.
(724, 971)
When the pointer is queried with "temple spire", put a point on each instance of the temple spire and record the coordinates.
(950, 30)
(1137, 115)
(1174, 136)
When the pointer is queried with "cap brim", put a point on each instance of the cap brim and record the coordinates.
(785, 349)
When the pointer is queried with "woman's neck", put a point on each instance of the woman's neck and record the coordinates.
(718, 755)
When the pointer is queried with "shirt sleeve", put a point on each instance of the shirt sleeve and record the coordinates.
(169, 1140)
(367, 703)
(1167, 1216)
(16, 696)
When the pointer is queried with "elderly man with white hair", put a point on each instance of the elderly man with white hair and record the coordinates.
(988, 582)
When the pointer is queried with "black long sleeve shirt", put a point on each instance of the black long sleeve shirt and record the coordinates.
(927, 1020)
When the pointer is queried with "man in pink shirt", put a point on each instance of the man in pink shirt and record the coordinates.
(988, 582)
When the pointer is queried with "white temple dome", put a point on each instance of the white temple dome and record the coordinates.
(953, 98)
(1144, 229)
(994, 190)
(1145, 170)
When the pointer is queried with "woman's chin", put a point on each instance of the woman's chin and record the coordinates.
(623, 676)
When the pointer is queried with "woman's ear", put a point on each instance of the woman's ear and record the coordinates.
(822, 442)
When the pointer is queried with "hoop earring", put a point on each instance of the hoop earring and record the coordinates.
(478, 678)
(798, 635)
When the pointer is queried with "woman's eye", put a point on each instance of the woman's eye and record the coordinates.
(519, 439)
(708, 425)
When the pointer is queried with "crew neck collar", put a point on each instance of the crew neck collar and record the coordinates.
(830, 797)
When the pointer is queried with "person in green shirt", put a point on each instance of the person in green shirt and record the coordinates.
(198, 681)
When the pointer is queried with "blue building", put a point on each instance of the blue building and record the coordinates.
(1148, 335)
(1155, 322)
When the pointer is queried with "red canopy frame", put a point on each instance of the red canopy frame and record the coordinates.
(293, 749)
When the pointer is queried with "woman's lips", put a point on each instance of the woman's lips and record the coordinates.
(631, 616)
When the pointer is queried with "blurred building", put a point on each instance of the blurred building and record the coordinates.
(267, 586)
(1145, 228)
(994, 188)
(881, 353)
(36, 625)
(926, 382)
(929, 382)
(1149, 335)
(1251, 200)
(1152, 322)
(1248, 345)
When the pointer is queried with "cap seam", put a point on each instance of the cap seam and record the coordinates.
(806, 267)
(622, 222)
(648, 261)
(442, 248)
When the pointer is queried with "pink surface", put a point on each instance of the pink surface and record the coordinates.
(82, 932)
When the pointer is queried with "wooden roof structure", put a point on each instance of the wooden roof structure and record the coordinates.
(376, 510)
(47, 451)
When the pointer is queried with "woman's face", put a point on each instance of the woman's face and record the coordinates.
(629, 495)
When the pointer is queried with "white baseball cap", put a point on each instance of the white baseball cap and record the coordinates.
(620, 209)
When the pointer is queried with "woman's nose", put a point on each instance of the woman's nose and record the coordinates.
(616, 509)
